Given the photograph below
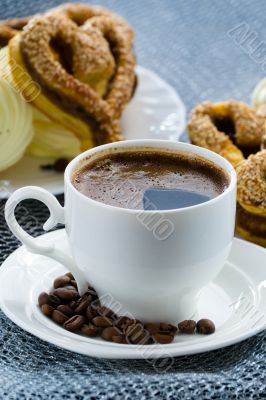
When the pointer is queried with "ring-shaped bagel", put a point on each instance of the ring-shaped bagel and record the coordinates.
(228, 128)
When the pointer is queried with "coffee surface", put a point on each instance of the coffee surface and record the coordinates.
(150, 180)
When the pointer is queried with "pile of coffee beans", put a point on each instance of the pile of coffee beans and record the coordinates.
(85, 315)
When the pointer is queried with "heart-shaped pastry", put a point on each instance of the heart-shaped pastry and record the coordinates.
(80, 76)
(77, 12)
(80, 13)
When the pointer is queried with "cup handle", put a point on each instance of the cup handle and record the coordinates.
(57, 215)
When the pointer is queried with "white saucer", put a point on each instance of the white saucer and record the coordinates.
(235, 301)
(155, 112)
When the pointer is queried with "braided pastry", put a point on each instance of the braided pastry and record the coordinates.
(86, 72)
(231, 129)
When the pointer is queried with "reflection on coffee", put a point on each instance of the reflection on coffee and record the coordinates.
(151, 180)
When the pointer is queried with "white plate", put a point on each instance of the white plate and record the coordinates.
(155, 112)
(235, 301)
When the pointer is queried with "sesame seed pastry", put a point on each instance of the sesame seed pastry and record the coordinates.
(251, 195)
(251, 227)
(10, 27)
(230, 128)
(77, 12)
(86, 73)
(251, 190)
(263, 142)
(80, 13)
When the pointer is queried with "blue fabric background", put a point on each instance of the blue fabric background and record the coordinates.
(187, 43)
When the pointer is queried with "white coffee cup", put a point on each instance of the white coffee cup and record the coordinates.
(149, 264)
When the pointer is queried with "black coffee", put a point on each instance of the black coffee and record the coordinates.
(151, 180)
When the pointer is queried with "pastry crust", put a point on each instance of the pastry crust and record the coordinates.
(77, 12)
(10, 27)
(263, 142)
(227, 128)
(251, 226)
(251, 188)
(98, 85)
(224, 127)
(80, 13)
(247, 235)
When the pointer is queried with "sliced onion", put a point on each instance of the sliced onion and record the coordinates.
(258, 96)
(16, 131)
(51, 139)
(23, 127)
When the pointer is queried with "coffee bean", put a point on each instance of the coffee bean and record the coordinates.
(91, 313)
(187, 326)
(134, 329)
(136, 333)
(72, 304)
(205, 326)
(82, 304)
(122, 322)
(70, 275)
(152, 327)
(108, 333)
(73, 283)
(61, 281)
(65, 309)
(86, 315)
(66, 293)
(119, 339)
(163, 338)
(59, 317)
(168, 328)
(74, 323)
(95, 305)
(43, 298)
(93, 293)
(47, 309)
(102, 322)
(106, 312)
(126, 326)
(54, 300)
(141, 337)
(151, 340)
(89, 330)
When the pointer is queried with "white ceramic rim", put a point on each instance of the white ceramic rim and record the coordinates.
(153, 143)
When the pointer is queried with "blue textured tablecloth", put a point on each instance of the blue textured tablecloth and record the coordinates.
(188, 44)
